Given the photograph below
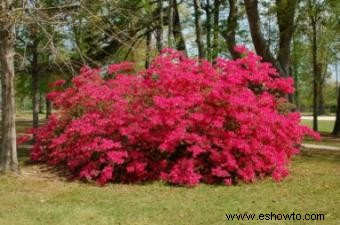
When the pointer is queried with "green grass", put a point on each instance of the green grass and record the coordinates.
(41, 197)
(324, 126)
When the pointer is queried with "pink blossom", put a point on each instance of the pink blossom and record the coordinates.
(181, 121)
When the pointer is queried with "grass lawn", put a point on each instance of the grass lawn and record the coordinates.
(324, 126)
(38, 196)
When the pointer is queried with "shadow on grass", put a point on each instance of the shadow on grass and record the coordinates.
(320, 155)
(61, 173)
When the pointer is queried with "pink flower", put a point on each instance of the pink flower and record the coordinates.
(57, 83)
(180, 120)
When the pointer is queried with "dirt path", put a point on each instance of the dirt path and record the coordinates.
(320, 118)
(321, 147)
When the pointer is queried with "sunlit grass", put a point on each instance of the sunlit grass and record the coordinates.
(44, 198)
(323, 125)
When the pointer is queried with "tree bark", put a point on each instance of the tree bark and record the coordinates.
(9, 160)
(285, 11)
(177, 30)
(259, 41)
(159, 30)
(208, 28)
(170, 23)
(35, 83)
(148, 50)
(321, 105)
(198, 25)
(230, 33)
(41, 105)
(216, 32)
(315, 75)
(336, 129)
(48, 108)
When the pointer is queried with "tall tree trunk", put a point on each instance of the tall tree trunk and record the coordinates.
(296, 97)
(321, 102)
(336, 129)
(148, 50)
(294, 69)
(198, 25)
(48, 108)
(177, 30)
(217, 4)
(9, 160)
(41, 100)
(170, 23)
(208, 28)
(285, 11)
(260, 43)
(159, 30)
(230, 33)
(35, 83)
(315, 75)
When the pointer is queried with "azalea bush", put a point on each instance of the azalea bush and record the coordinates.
(182, 121)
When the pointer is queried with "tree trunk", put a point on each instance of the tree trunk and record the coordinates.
(48, 108)
(177, 30)
(9, 160)
(35, 83)
(230, 33)
(208, 28)
(321, 102)
(315, 76)
(285, 11)
(148, 50)
(217, 4)
(294, 69)
(199, 36)
(170, 23)
(296, 96)
(336, 129)
(259, 41)
(159, 30)
(41, 105)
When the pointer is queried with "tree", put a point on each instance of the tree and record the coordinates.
(177, 29)
(207, 9)
(314, 17)
(229, 34)
(9, 160)
(170, 23)
(285, 16)
(285, 11)
(216, 29)
(159, 30)
(321, 24)
(35, 79)
(336, 129)
(198, 25)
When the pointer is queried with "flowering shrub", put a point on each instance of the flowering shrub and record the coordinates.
(181, 121)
